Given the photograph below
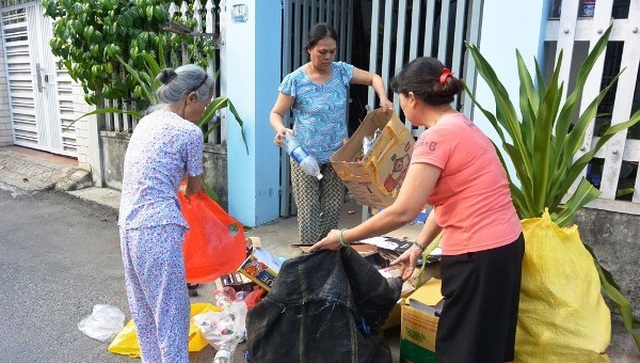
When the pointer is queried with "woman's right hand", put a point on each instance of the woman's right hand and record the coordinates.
(280, 135)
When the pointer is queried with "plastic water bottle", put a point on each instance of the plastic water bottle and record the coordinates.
(222, 356)
(224, 297)
(307, 162)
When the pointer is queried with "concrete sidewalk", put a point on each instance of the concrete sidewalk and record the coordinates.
(27, 171)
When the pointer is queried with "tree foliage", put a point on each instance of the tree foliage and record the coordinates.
(91, 35)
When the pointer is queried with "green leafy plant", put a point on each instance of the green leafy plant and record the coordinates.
(542, 142)
(89, 36)
(147, 84)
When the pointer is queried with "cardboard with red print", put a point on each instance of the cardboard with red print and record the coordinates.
(261, 266)
(375, 179)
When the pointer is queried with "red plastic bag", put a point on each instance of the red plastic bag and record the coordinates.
(214, 245)
(254, 297)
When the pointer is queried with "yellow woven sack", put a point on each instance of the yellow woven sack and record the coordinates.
(126, 342)
(562, 315)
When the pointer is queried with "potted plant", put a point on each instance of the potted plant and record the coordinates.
(562, 312)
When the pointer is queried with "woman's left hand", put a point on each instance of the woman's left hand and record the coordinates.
(408, 260)
(385, 104)
(330, 242)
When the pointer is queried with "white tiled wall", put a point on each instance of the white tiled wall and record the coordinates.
(6, 131)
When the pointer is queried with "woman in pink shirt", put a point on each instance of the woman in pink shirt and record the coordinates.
(456, 169)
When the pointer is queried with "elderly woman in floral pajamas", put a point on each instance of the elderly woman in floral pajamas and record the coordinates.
(165, 146)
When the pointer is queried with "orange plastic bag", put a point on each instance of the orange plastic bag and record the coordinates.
(214, 244)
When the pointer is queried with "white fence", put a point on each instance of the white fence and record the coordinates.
(574, 26)
(405, 29)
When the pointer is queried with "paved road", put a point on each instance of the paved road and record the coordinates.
(58, 257)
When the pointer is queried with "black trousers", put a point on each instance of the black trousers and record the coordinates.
(480, 312)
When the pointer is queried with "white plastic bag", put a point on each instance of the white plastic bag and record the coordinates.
(104, 323)
(224, 329)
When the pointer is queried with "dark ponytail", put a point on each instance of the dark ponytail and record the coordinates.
(429, 80)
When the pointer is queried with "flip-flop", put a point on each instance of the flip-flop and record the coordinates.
(192, 288)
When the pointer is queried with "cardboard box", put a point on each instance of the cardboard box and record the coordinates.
(261, 266)
(237, 281)
(375, 180)
(419, 324)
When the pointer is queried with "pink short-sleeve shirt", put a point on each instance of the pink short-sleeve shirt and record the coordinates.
(471, 199)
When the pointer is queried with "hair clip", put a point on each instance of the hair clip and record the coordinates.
(446, 72)
(169, 74)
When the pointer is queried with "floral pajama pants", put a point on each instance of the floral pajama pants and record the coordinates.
(157, 291)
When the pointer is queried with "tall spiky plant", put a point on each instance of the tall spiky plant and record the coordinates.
(542, 143)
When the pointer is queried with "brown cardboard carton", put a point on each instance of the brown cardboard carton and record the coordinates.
(420, 324)
(375, 180)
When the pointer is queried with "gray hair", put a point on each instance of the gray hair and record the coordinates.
(183, 80)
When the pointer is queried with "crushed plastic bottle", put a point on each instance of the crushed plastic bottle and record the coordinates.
(224, 297)
(223, 356)
(226, 328)
(307, 162)
(367, 142)
(242, 295)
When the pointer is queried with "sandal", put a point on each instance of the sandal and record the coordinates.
(192, 288)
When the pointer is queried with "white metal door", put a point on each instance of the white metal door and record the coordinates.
(31, 78)
(407, 29)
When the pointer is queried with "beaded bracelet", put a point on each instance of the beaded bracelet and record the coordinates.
(342, 242)
(421, 247)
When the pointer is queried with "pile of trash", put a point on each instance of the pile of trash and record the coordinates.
(220, 324)
(294, 304)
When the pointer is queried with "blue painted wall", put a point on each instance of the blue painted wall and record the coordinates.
(500, 36)
(251, 74)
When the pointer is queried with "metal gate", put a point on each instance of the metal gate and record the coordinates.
(31, 79)
(415, 28)
(405, 29)
(400, 30)
(298, 17)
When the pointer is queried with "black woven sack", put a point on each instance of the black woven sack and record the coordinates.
(323, 307)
